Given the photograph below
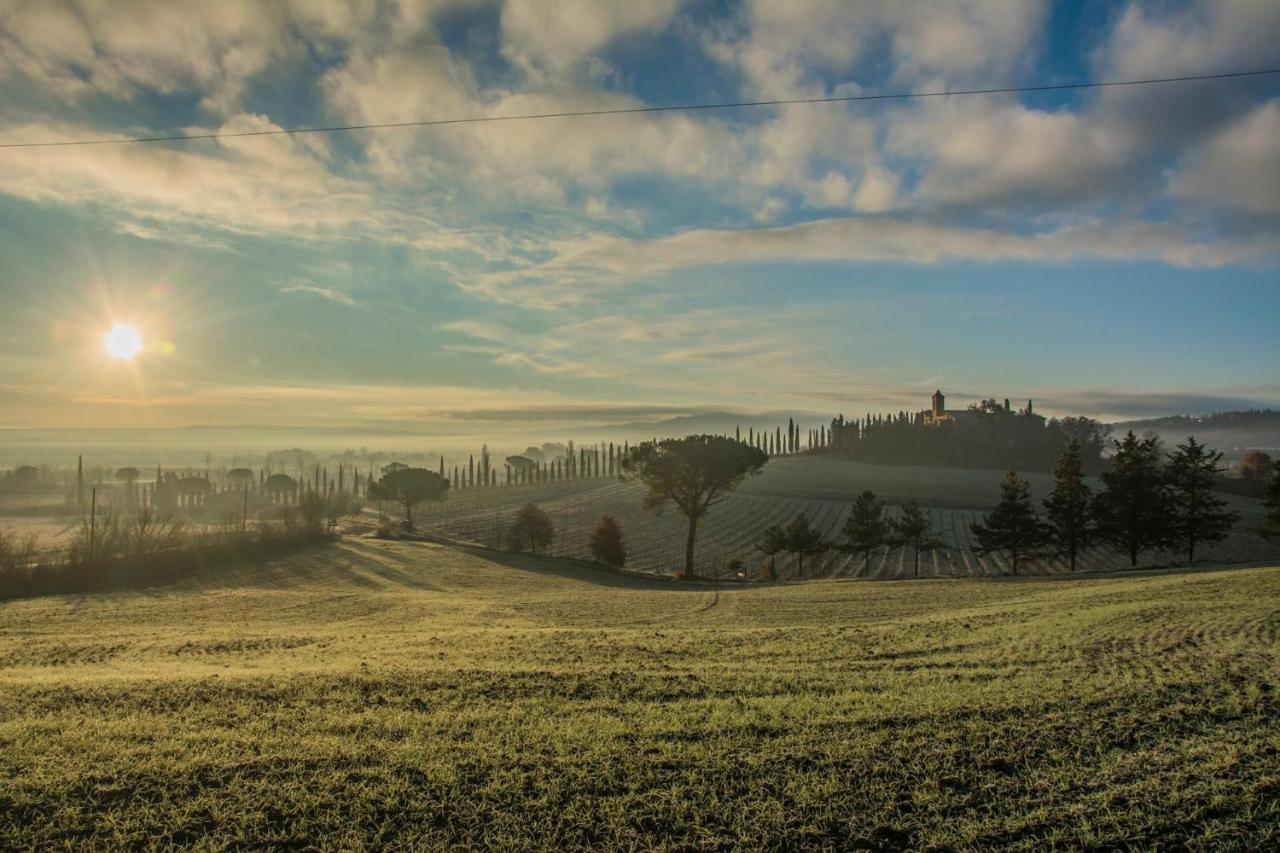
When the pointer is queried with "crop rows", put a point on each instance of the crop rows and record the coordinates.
(655, 541)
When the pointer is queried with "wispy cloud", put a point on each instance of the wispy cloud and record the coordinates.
(323, 292)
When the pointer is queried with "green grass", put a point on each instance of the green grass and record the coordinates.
(401, 694)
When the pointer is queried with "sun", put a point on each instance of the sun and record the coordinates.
(122, 342)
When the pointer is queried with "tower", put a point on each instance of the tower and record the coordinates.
(939, 404)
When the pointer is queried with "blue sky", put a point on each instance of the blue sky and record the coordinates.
(1112, 252)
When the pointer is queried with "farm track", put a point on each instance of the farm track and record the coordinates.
(655, 541)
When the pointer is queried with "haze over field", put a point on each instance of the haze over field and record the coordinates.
(639, 424)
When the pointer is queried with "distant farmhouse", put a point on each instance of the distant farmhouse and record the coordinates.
(938, 414)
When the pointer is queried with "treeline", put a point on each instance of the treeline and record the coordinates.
(1149, 501)
(984, 436)
(117, 548)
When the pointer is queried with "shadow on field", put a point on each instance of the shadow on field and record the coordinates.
(573, 570)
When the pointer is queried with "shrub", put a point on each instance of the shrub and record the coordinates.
(17, 553)
(608, 545)
(530, 529)
(312, 513)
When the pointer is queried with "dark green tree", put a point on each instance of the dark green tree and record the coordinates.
(409, 487)
(913, 528)
(865, 530)
(1012, 527)
(531, 528)
(1271, 503)
(801, 538)
(608, 545)
(695, 473)
(1131, 513)
(1067, 509)
(1197, 513)
(772, 542)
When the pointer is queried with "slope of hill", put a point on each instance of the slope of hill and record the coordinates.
(400, 694)
(1231, 432)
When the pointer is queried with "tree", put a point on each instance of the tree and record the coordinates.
(772, 541)
(129, 476)
(913, 528)
(1256, 466)
(409, 487)
(1271, 503)
(695, 473)
(1131, 512)
(865, 530)
(608, 545)
(1198, 514)
(803, 540)
(531, 528)
(1067, 515)
(1090, 436)
(1012, 526)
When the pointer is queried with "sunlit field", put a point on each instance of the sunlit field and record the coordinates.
(372, 694)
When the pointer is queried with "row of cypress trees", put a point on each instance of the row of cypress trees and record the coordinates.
(1149, 500)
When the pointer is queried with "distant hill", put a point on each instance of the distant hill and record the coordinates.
(719, 423)
(1231, 432)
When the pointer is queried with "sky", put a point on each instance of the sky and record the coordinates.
(1108, 252)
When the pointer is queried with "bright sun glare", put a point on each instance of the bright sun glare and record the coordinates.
(123, 341)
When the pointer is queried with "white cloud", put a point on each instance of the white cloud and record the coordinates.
(323, 292)
(555, 34)
(586, 266)
(1239, 167)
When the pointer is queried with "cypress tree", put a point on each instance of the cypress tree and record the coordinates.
(1132, 510)
(865, 530)
(1067, 507)
(1012, 526)
(913, 528)
(1199, 514)
(804, 540)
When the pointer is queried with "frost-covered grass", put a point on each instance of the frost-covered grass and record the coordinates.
(402, 694)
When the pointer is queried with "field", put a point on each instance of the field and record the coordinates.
(372, 694)
(822, 487)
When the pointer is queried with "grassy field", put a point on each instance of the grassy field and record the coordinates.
(376, 694)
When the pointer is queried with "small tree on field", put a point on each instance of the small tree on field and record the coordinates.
(608, 545)
(1067, 509)
(1131, 513)
(1012, 526)
(531, 528)
(913, 528)
(1271, 503)
(1256, 466)
(409, 487)
(804, 540)
(772, 541)
(1198, 514)
(866, 530)
(695, 472)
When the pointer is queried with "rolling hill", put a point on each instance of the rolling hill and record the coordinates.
(373, 694)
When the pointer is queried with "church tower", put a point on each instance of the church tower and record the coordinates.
(939, 404)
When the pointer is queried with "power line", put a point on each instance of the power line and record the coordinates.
(896, 96)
